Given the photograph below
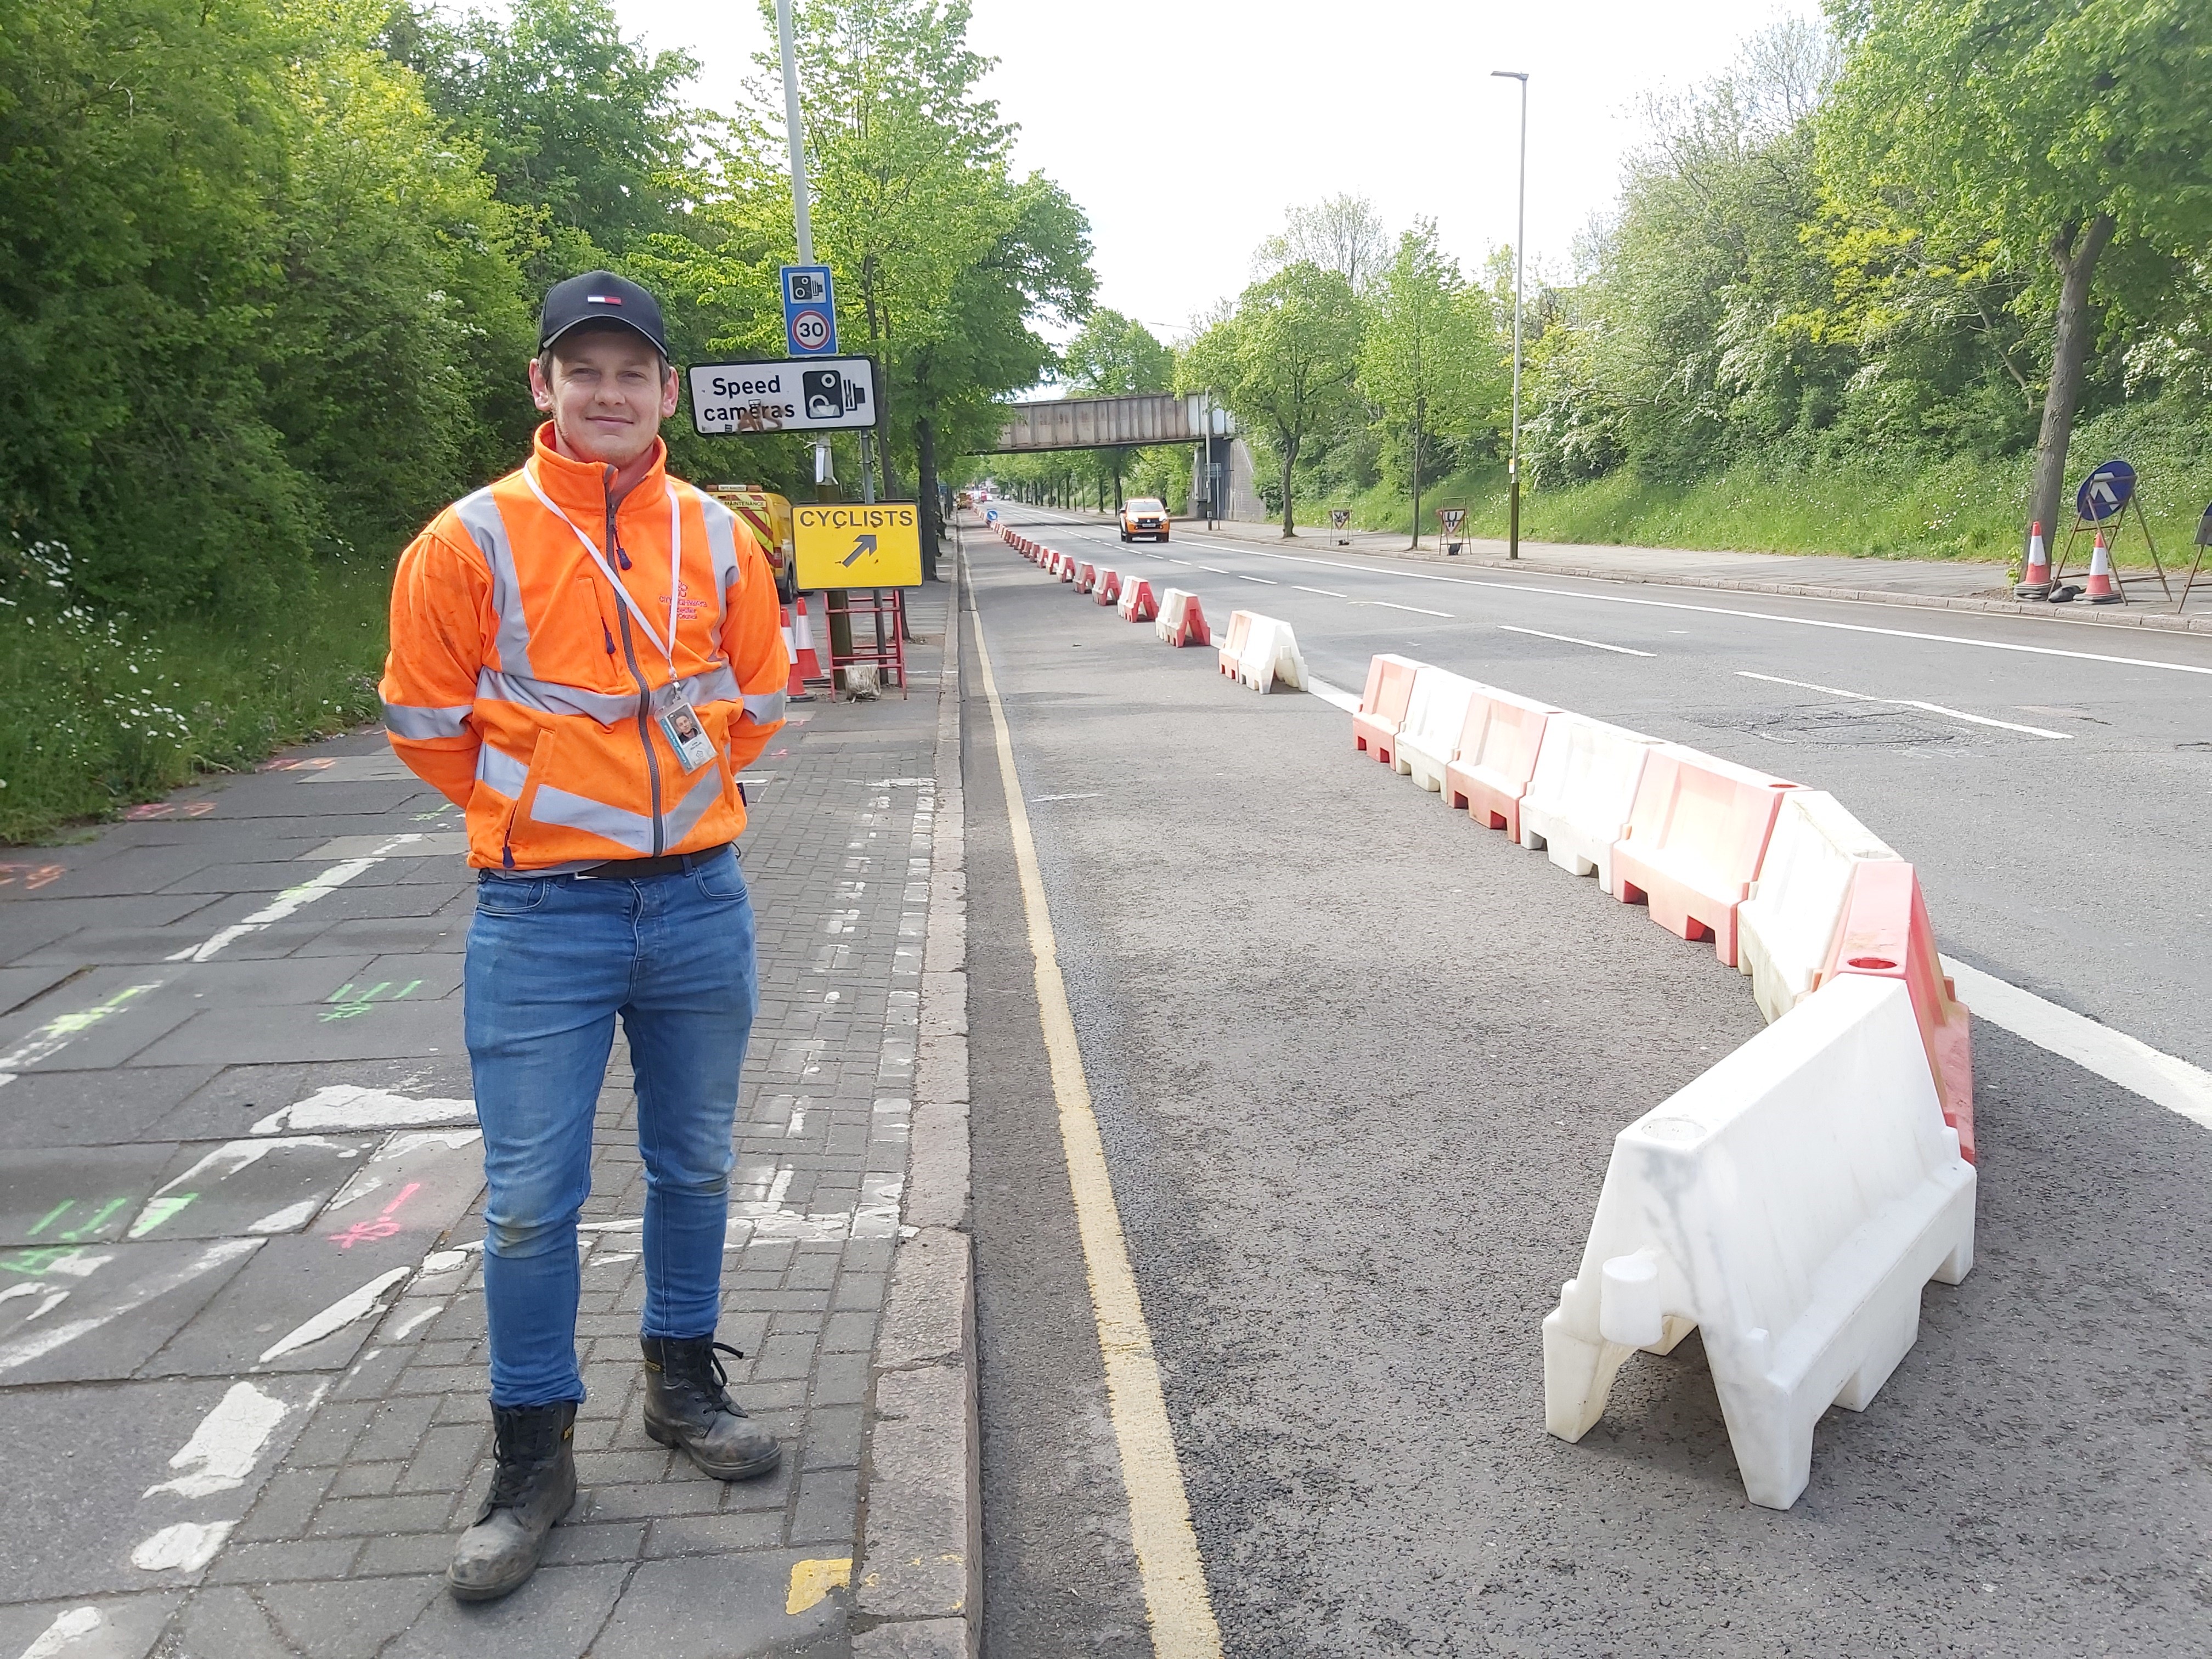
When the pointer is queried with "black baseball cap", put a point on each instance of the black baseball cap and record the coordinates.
(600, 296)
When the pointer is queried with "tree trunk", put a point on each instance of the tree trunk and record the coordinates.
(932, 529)
(1290, 459)
(2076, 260)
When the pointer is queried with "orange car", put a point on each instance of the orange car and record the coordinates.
(1143, 517)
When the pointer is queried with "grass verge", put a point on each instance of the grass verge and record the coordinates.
(97, 712)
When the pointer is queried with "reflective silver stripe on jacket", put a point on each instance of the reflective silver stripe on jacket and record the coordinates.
(497, 769)
(407, 720)
(706, 790)
(721, 542)
(630, 830)
(479, 516)
(553, 697)
(765, 709)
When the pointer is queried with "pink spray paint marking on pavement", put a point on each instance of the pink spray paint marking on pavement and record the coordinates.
(384, 1226)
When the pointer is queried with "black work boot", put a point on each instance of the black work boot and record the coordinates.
(532, 1488)
(687, 1406)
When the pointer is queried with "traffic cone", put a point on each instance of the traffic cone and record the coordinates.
(2102, 589)
(2035, 580)
(796, 691)
(809, 666)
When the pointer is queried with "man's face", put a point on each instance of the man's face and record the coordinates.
(606, 391)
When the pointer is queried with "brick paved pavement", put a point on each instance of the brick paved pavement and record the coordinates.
(242, 1364)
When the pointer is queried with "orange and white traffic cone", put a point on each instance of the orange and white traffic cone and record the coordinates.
(808, 663)
(2102, 589)
(796, 691)
(2035, 580)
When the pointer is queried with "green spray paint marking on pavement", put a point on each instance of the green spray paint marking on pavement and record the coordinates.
(344, 1004)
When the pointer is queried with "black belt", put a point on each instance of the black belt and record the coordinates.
(668, 864)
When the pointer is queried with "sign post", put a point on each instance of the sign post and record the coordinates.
(1339, 519)
(1452, 519)
(809, 311)
(2108, 495)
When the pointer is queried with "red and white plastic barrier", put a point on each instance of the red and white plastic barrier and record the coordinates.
(1582, 790)
(1789, 1204)
(1696, 835)
(1269, 655)
(1785, 928)
(1232, 648)
(1493, 768)
(1181, 619)
(1435, 721)
(1138, 604)
(1086, 576)
(1885, 934)
(1382, 706)
(1107, 589)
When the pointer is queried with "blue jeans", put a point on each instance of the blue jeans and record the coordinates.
(551, 961)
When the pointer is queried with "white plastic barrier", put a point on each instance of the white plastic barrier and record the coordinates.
(1435, 718)
(1784, 928)
(1791, 1204)
(1582, 793)
(1270, 654)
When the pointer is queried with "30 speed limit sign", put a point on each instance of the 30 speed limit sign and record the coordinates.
(810, 331)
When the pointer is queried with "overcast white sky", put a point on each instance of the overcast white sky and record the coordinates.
(1185, 128)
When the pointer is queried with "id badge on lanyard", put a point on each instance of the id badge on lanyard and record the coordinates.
(680, 721)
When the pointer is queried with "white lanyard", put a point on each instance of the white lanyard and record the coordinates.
(675, 564)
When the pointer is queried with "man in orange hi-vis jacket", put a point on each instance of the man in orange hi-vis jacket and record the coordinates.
(584, 655)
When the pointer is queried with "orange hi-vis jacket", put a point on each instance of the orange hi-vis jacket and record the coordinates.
(527, 690)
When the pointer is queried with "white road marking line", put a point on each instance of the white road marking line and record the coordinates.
(226, 1446)
(1752, 616)
(184, 1547)
(1326, 593)
(22, 1351)
(1263, 581)
(294, 899)
(1569, 639)
(1909, 702)
(59, 1638)
(356, 1304)
(1215, 568)
(350, 1106)
(1168, 1563)
(1418, 610)
(2112, 1054)
(1331, 694)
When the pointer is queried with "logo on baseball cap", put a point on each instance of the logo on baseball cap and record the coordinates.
(600, 296)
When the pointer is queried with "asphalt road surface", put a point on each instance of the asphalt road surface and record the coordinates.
(1359, 1064)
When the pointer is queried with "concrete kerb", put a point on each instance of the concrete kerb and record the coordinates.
(917, 1580)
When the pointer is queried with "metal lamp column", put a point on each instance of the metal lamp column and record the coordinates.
(1520, 240)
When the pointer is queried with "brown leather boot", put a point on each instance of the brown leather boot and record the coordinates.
(687, 1406)
(533, 1488)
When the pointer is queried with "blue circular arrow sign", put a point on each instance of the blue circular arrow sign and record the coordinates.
(2104, 492)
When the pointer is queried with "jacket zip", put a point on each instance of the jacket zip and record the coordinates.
(644, 693)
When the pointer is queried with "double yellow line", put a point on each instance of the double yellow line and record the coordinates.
(1174, 1579)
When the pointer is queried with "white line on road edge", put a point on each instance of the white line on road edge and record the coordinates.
(1569, 639)
(1325, 592)
(2111, 1054)
(1331, 694)
(1417, 609)
(1265, 581)
(1174, 1577)
(1907, 702)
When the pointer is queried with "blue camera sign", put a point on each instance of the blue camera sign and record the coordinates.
(809, 311)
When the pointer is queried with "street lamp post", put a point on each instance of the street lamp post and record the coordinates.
(802, 220)
(1520, 239)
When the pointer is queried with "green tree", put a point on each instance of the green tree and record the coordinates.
(1429, 345)
(1342, 234)
(1283, 361)
(2066, 135)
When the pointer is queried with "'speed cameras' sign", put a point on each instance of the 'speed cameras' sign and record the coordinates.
(783, 395)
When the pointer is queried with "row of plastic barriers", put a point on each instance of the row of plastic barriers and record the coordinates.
(1256, 651)
(1791, 1202)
